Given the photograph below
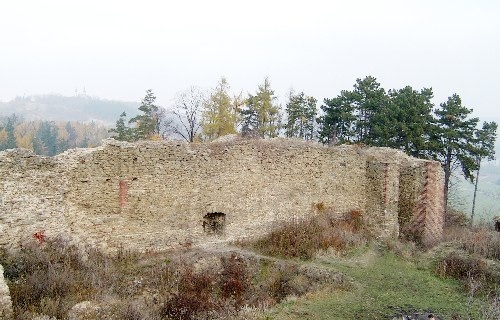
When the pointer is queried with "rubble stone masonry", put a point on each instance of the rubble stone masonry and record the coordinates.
(161, 195)
(5, 301)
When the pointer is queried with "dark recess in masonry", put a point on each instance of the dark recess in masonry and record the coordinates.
(214, 223)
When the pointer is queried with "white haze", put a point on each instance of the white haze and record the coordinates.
(118, 49)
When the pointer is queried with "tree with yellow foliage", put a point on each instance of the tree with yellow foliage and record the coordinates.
(219, 113)
(261, 115)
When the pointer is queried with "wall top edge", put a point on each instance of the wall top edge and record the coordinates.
(378, 154)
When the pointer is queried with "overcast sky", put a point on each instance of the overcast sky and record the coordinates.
(118, 49)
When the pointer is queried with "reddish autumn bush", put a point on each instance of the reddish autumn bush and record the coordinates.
(234, 279)
(194, 297)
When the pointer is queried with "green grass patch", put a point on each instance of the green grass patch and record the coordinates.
(383, 284)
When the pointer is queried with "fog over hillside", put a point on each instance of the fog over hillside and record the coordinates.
(55, 107)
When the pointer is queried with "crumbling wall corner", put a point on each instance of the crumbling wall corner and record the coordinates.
(421, 202)
(5, 301)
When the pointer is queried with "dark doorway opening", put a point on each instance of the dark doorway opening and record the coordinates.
(214, 223)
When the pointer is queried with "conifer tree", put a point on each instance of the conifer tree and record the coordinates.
(249, 118)
(45, 139)
(72, 135)
(11, 142)
(453, 139)
(368, 99)
(121, 130)
(337, 122)
(405, 122)
(262, 114)
(355, 116)
(301, 113)
(148, 124)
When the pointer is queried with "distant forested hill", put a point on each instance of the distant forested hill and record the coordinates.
(53, 107)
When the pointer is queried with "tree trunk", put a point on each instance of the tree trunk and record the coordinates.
(447, 175)
(475, 193)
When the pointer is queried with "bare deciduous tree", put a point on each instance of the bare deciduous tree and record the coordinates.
(187, 111)
(165, 126)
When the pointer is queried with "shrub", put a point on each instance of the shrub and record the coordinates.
(279, 283)
(47, 279)
(194, 296)
(473, 271)
(303, 238)
(234, 279)
(462, 268)
(50, 279)
(207, 293)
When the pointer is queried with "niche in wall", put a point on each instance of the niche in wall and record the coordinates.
(214, 223)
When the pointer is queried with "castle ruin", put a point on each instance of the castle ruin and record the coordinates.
(162, 195)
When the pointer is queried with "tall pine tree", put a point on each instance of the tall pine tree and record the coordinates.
(249, 118)
(355, 116)
(453, 139)
(369, 99)
(338, 119)
(45, 140)
(405, 122)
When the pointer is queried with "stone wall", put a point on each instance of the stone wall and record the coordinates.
(421, 205)
(160, 195)
(5, 302)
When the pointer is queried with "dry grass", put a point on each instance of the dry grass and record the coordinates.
(481, 240)
(480, 282)
(304, 238)
(462, 267)
(48, 279)
(476, 252)
(405, 249)
(51, 278)
(492, 309)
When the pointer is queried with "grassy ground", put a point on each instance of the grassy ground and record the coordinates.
(383, 286)
(319, 268)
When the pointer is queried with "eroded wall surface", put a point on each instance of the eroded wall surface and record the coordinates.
(421, 205)
(5, 301)
(155, 195)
